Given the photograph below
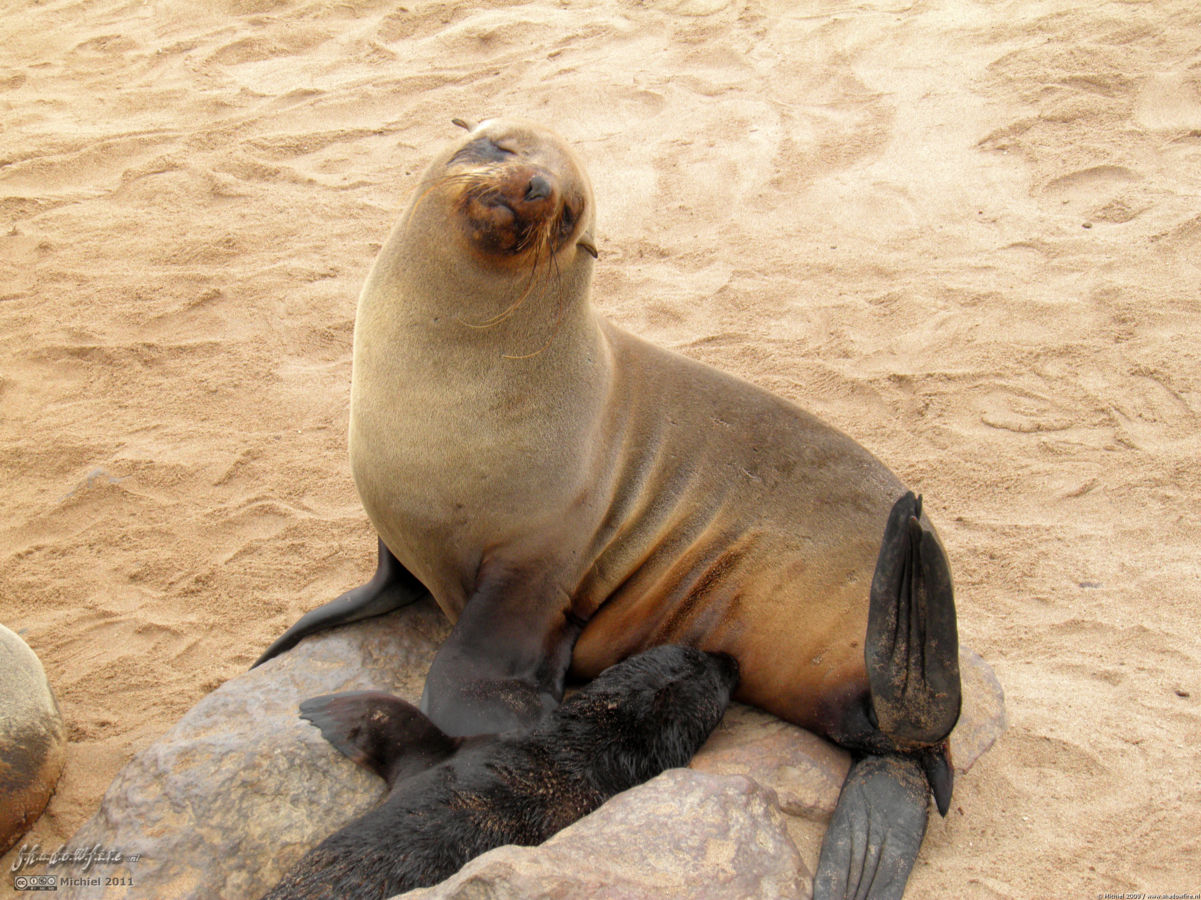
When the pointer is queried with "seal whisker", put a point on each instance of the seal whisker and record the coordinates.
(512, 307)
(560, 309)
(450, 178)
(475, 183)
(503, 314)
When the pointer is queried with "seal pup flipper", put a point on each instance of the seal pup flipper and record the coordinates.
(875, 832)
(380, 732)
(391, 587)
(912, 644)
(504, 665)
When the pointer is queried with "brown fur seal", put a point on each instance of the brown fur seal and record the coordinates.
(451, 799)
(571, 495)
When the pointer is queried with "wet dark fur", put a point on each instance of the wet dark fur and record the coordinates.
(646, 714)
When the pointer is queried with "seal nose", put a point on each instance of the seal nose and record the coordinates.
(538, 189)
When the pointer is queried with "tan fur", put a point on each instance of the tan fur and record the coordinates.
(499, 423)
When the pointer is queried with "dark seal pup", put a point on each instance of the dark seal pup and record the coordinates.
(452, 799)
(570, 495)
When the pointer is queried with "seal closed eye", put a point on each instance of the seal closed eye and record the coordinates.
(571, 495)
(481, 150)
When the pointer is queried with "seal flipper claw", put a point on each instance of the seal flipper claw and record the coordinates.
(936, 761)
(912, 646)
(380, 732)
(875, 832)
(390, 588)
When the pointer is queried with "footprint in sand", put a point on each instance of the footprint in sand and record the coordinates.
(1104, 193)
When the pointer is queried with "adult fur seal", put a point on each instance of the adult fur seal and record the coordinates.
(571, 495)
(451, 799)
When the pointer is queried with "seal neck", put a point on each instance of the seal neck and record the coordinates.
(428, 311)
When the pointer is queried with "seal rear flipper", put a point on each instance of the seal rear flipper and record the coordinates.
(380, 732)
(391, 587)
(912, 645)
(876, 831)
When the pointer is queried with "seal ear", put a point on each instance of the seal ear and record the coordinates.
(463, 123)
(380, 732)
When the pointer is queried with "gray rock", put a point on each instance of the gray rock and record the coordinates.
(232, 796)
(33, 739)
(686, 834)
(240, 788)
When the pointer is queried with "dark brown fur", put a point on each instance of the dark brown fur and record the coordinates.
(646, 714)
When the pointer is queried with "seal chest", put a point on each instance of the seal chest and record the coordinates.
(477, 358)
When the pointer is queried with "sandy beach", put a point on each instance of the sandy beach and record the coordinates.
(966, 233)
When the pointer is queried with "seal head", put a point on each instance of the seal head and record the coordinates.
(520, 201)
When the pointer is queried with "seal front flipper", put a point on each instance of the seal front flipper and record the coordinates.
(380, 732)
(391, 587)
(504, 665)
(874, 835)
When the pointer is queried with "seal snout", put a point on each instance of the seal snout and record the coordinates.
(531, 190)
(513, 209)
